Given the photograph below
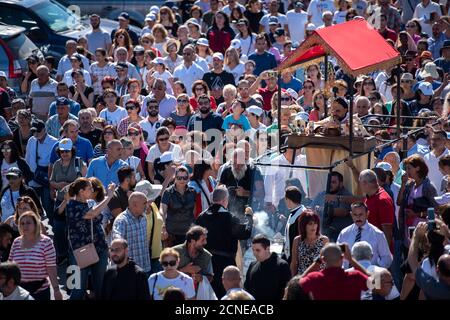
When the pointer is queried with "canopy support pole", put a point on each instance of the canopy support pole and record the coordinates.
(279, 111)
(398, 74)
(350, 135)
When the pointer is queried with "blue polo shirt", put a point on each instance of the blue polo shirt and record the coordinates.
(99, 168)
(212, 121)
(295, 84)
(74, 108)
(83, 147)
(263, 62)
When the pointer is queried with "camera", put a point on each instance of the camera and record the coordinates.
(431, 219)
(272, 74)
(411, 231)
(342, 246)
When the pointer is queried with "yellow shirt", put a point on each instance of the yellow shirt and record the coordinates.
(156, 240)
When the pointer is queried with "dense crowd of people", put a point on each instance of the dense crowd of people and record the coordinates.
(144, 165)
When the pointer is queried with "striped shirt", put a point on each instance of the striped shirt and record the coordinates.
(134, 230)
(33, 262)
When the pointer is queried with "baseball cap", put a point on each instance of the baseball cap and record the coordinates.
(298, 4)
(166, 157)
(37, 126)
(384, 165)
(235, 43)
(62, 101)
(124, 15)
(255, 110)
(151, 191)
(138, 49)
(14, 172)
(3, 74)
(150, 17)
(444, 199)
(194, 22)
(154, 9)
(121, 65)
(218, 55)
(65, 144)
(158, 60)
(273, 21)
(203, 42)
(426, 88)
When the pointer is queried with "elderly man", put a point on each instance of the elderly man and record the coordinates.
(64, 64)
(55, 122)
(393, 159)
(83, 147)
(167, 103)
(125, 280)
(131, 225)
(122, 57)
(224, 233)
(439, 150)
(195, 260)
(87, 129)
(105, 167)
(362, 230)
(189, 71)
(62, 90)
(232, 282)
(42, 92)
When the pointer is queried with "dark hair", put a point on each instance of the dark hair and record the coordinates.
(51, 61)
(349, 12)
(5, 229)
(381, 175)
(11, 270)
(294, 194)
(124, 173)
(261, 239)
(134, 102)
(358, 205)
(162, 131)
(417, 161)
(338, 175)
(173, 293)
(199, 170)
(295, 291)
(169, 122)
(14, 151)
(181, 84)
(444, 161)
(306, 217)
(442, 133)
(102, 136)
(195, 232)
(226, 24)
(98, 188)
(78, 185)
(436, 242)
(342, 102)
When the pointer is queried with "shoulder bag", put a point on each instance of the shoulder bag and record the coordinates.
(41, 173)
(86, 255)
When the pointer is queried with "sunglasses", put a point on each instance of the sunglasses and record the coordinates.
(171, 263)
(182, 101)
(146, 41)
(199, 88)
(130, 107)
(11, 177)
(285, 99)
(163, 139)
(65, 151)
(185, 178)
(6, 149)
(133, 133)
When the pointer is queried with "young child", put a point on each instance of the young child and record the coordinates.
(237, 117)
(162, 73)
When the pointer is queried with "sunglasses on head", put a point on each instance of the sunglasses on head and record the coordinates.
(171, 263)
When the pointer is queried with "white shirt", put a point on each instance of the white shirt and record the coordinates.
(69, 80)
(282, 20)
(429, 269)
(8, 205)
(339, 17)
(44, 152)
(151, 128)
(183, 282)
(5, 167)
(155, 153)
(113, 118)
(422, 13)
(276, 176)
(247, 44)
(227, 9)
(65, 65)
(381, 254)
(317, 8)
(434, 174)
(166, 75)
(42, 96)
(237, 71)
(188, 75)
(202, 63)
(297, 22)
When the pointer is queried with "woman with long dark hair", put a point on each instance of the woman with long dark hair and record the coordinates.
(109, 133)
(167, 18)
(220, 34)
(203, 183)
(9, 158)
(246, 36)
(254, 14)
(22, 133)
(122, 39)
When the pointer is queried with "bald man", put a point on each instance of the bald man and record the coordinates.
(232, 282)
(131, 225)
(334, 283)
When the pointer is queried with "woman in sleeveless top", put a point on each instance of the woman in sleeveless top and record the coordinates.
(307, 246)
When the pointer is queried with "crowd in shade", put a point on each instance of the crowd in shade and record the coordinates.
(148, 166)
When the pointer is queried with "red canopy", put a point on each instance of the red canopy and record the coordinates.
(357, 46)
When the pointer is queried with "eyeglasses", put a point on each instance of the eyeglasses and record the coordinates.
(163, 139)
(185, 178)
(108, 133)
(171, 263)
(65, 151)
(285, 99)
(409, 59)
(133, 133)
(244, 88)
(6, 149)
(410, 26)
(120, 70)
(146, 41)
(11, 177)
(182, 101)
(366, 83)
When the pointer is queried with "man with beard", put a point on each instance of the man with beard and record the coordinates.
(125, 280)
(335, 214)
(167, 103)
(97, 38)
(127, 182)
(224, 232)
(205, 120)
(153, 122)
(339, 113)
(131, 225)
(87, 129)
(242, 180)
(218, 78)
(195, 260)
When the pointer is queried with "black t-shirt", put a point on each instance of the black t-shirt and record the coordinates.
(119, 200)
(87, 92)
(254, 19)
(216, 82)
(93, 136)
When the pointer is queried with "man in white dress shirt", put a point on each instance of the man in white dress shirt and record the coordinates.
(438, 142)
(362, 230)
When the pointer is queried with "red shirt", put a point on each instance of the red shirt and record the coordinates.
(267, 97)
(194, 104)
(335, 284)
(381, 208)
(389, 34)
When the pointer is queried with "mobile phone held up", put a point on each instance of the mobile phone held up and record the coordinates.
(411, 231)
(431, 219)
